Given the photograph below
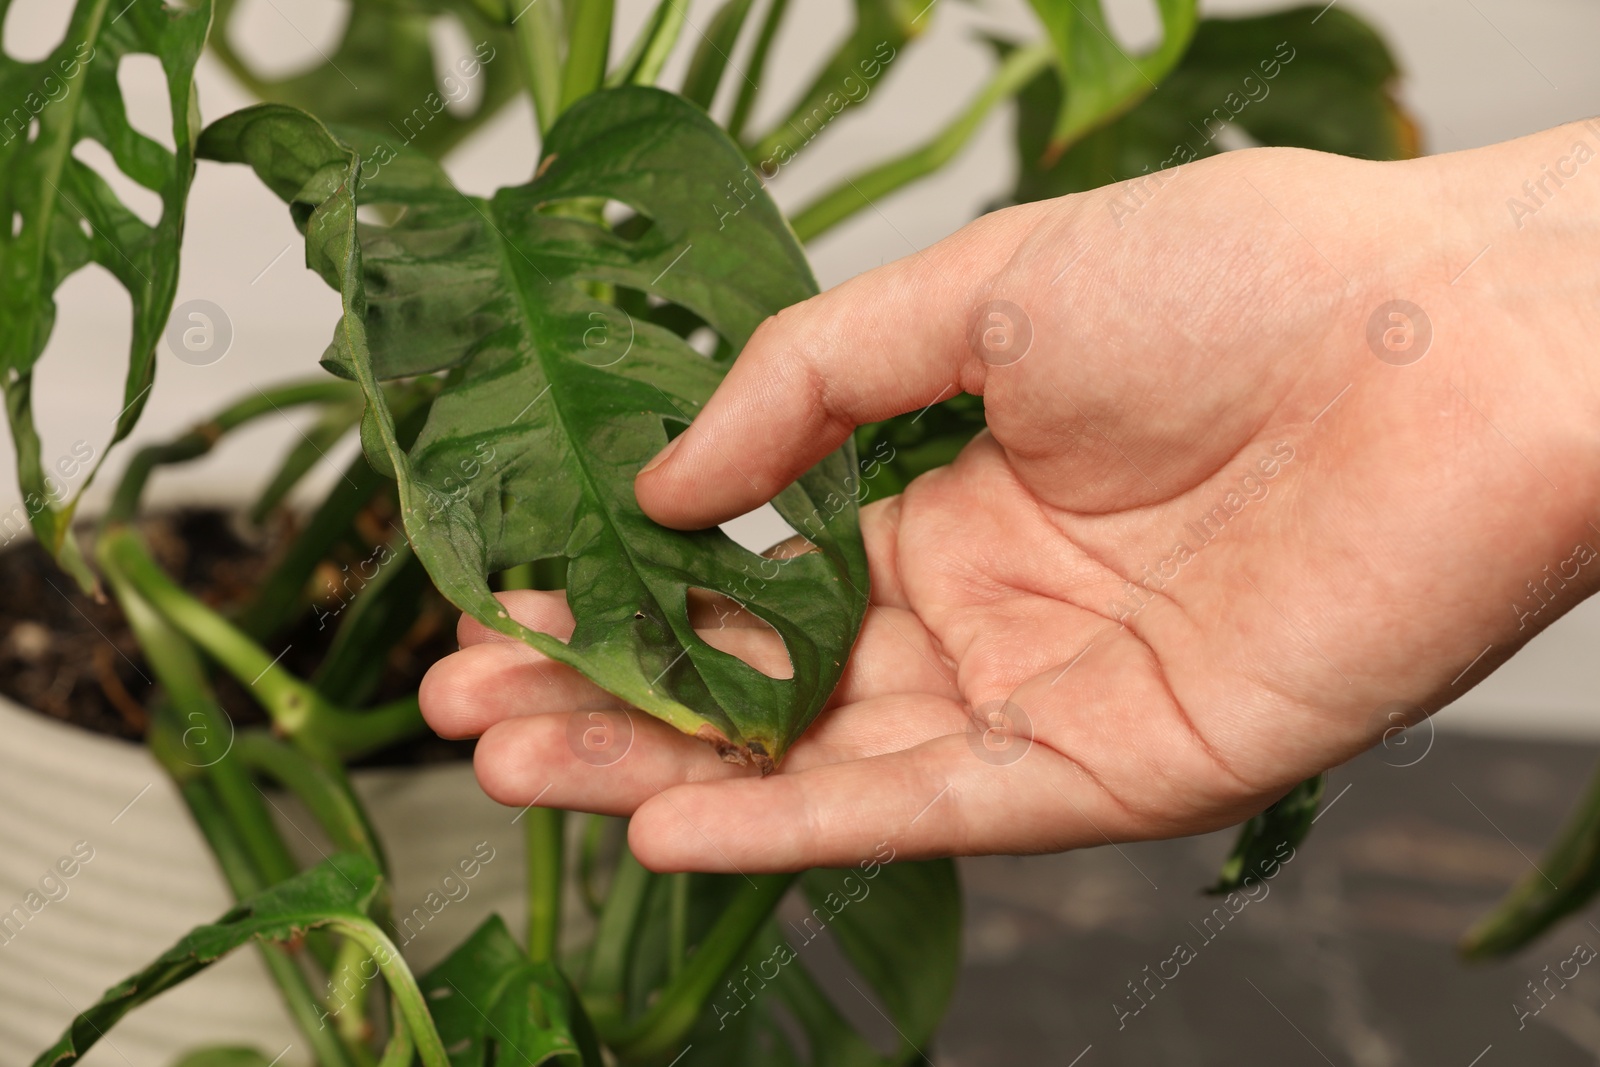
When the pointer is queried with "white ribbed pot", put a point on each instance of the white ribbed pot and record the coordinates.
(100, 855)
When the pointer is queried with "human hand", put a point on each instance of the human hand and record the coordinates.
(1212, 535)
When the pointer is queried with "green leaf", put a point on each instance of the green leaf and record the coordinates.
(1103, 79)
(493, 1005)
(334, 893)
(881, 29)
(555, 399)
(898, 925)
(384, 76)
(1263, 838)
(1289, 78)
(58, 215)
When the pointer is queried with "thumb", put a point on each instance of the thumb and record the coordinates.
(889, 341)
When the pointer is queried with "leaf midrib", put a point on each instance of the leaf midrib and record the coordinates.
(502, 244)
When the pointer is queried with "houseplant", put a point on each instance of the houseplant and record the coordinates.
(511, 362)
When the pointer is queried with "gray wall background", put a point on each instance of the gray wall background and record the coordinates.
(1476, 71)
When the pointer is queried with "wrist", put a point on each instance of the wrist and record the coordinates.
(1517, 270)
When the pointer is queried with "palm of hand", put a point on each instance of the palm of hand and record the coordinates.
(1176, 578)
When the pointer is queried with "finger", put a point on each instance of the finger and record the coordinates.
(605, 762)
(469, 691)
(610, 762)
(937, 799)
(543, 610)
(889, 341)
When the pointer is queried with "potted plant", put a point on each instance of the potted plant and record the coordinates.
(509, 363)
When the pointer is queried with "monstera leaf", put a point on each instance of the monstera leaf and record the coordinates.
(555, 397)
(60, 215)
(493, 1005)
(336, 893)
(1102, 78)
(1309, 78)
(384, 76)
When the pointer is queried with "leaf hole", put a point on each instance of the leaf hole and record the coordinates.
(648, 307)
(281, 38)
(625, 221)
(87, 227)
(704, 340)
(440, 993)
(35, 28)
(135, 197)
(457, 65)
(1134, 24)
(384, 215)
(147, 98)
(16, 223)
(727, 625)
(765, 532)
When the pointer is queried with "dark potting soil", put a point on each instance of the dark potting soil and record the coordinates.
(68, 656)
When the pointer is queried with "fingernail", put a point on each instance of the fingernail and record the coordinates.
(661, 457)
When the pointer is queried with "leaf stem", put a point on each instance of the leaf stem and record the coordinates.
(746, 100)
(605, 979)
(833, 207)
(296, 709)
(200, 439)
(670, 1018)
(546, 846)
(231, 854)
(403, 987)
(588, 49)
(537, 33)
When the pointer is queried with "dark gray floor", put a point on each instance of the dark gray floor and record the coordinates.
(1349, 959)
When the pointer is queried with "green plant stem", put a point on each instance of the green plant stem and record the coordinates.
(349, 1007)
(296, 709)
(329, 799)
(281, 595)
(710, 61)
(1565, 880)
(546, 846)
(745, 102)
(200, 739)
(588, 49)
(408, 999)
(649, 51)
(202, 438)
(854, 194)
(537, 33)
(678, 928)
(607, 973)
(232, 856)
(669, 1019)
(401, 1048)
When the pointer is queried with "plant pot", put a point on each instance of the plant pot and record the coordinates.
(102, 869)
